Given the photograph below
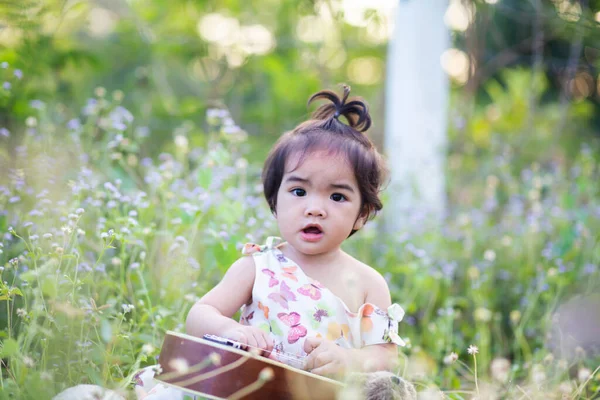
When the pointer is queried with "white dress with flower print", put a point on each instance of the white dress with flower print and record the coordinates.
(291, 307)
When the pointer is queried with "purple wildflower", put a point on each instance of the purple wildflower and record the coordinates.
(36, 104)
(74, 124)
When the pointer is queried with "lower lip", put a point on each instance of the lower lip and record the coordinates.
(311, 237)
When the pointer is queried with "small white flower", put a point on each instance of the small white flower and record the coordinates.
(180, 365)
(450, 358)
(181, 142)
(266, 374)
(482, 314)
(215, 358)
(500, 369)
(489, 255)
(396, 312)
(538, 375)
(31, 122)
(28, 361)
(473, 349)
(148, 348)
(565, 387)
(127, 308)
(583, 374)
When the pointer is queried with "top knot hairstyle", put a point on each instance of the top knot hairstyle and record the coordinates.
(325, 131)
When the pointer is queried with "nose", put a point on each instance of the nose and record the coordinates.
(315, 209)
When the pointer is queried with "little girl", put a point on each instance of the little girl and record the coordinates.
(302, 294)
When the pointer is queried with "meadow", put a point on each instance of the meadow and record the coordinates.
(104, 248)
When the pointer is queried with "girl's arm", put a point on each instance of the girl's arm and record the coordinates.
(326, 358)
(378, 357)
(212, 313)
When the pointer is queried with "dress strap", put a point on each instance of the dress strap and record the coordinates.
(251, 248)
(272, 242)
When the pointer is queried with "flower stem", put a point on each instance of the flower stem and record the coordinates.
(475, 368)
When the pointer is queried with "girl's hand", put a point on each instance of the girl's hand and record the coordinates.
(252, 337)
(326, 358)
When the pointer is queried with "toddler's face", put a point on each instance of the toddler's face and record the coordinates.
(318, 202)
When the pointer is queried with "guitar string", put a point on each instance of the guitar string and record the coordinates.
(279, 354)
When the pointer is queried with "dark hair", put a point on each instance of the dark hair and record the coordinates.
(325, 131)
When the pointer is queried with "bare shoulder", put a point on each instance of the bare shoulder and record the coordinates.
(235, 289)
(375, 286)
(243, 269)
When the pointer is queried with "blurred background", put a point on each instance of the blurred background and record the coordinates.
(162, 112)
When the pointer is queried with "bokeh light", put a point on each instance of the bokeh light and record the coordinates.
(218, 28)
(101, 22)
(365, 70)
(458, 16)
(310, 29)
(456, 64)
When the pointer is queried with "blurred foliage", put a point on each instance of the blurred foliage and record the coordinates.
(133, 197)
(103, 250)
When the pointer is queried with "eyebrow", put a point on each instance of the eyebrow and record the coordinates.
(295, 178)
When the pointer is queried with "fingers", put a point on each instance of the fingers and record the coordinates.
(318, 358)
(269, 342)
(251, 338)
(259, 339)
(312, 343)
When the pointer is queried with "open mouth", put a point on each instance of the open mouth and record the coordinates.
(312, 233)
(312, 230)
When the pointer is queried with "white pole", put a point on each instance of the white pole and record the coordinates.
(416, 107)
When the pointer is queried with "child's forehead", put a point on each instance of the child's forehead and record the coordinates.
(317, 159)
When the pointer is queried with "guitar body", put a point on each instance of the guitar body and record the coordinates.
(186, 364)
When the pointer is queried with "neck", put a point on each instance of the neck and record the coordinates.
(310, 261)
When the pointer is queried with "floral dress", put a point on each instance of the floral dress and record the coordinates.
(291, 306)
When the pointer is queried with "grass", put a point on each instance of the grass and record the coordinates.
(103, 250)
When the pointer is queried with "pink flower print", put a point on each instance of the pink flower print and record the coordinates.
(312, 290)
(271, 274)
(296, 330)
(283, 296)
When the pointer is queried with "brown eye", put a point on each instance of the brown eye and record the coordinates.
(337, 197)
(298, 192)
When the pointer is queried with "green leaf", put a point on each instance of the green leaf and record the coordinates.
(204, 177)
(106, 331)
(10, 347)
(49, 288)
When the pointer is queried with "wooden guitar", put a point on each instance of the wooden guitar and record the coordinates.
(217, 368)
